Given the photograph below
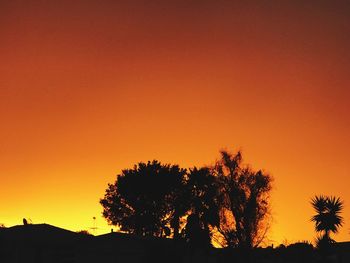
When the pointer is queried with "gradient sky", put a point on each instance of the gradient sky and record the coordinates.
(88, 88)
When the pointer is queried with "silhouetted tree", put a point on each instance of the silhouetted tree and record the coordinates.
(203, 206)
(145, 200)
(327, 218)
(244, 201)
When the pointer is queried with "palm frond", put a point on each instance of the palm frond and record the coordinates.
(327, 217)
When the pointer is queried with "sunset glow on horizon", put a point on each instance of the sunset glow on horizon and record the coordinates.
(92, 87)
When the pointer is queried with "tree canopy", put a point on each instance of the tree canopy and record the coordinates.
(143, 199)
(227, 199)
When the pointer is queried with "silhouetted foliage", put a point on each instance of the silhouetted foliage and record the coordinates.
(203, 205)
(244, 207)
(228, 201)
(144, 200)
(327, 218)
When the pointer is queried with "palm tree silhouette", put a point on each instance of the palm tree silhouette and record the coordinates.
(327, 218)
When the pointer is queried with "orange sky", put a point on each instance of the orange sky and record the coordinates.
(88, 88)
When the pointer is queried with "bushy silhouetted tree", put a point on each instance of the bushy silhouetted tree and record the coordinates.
(203, 206)
(144, 200)
(244, 207)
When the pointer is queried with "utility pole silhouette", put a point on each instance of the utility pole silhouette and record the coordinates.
(94, 228)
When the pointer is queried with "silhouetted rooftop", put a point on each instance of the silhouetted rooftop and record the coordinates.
(38, 233)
